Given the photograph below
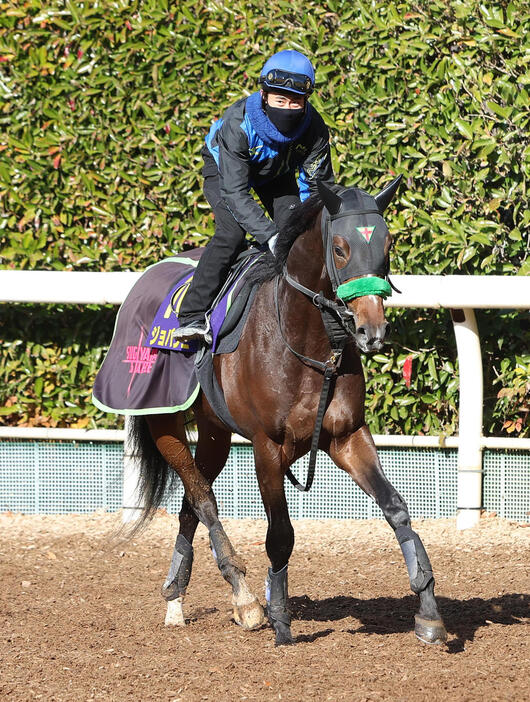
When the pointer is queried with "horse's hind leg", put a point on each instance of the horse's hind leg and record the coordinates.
(212, 451)
(210, 457)
(199, 504)
(357, 455)
(174, 588)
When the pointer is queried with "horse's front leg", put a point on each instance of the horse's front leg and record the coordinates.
(357, 455)
(280, 536)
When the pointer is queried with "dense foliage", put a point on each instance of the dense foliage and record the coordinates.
(103, 113)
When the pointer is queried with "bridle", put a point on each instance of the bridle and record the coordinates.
(336, 316)
(337, 319)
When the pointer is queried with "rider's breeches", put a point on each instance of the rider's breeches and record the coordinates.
(215, 262)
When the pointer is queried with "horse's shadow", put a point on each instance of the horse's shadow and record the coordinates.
(390, 615)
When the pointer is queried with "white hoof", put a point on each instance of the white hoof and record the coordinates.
(249, 616)
(174, 614)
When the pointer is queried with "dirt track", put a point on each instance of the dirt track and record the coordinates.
(82, 617)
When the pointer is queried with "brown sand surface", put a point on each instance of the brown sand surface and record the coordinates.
(82, 618)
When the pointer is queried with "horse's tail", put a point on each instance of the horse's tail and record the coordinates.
(156, 477)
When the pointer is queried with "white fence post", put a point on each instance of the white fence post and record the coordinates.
(469, 499)
(132, 507)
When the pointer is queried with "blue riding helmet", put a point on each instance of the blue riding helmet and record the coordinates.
(288, 70)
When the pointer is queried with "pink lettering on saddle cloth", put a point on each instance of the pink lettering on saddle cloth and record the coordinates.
(141, 359)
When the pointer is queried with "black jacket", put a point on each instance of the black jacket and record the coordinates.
(248, 151)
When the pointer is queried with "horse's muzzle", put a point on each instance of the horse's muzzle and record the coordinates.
(370, 337)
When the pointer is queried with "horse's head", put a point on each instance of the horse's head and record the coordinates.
(356, 247)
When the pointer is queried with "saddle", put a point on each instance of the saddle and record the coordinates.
(223, 315)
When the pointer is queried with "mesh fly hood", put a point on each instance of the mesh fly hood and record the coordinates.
(361, 224)
(357, 217)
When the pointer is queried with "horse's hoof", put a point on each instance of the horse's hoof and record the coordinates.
(430, 631)
(283, 634)
(174, 614)
(249, 616)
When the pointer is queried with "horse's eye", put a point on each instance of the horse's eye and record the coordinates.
(339, 251)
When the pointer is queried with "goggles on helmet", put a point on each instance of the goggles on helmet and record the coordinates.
(284, 80)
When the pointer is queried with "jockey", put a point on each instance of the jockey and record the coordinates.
(273, 142)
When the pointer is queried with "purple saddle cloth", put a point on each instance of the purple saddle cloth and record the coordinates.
(146, 370)
(166, 322)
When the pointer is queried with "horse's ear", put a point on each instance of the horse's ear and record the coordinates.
(385, 196)
(331, 201)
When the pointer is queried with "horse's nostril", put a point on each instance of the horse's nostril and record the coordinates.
(361, 331)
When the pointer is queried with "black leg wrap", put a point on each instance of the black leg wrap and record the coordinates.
(180, 569)
(277, 597)
(418, 564)
(226, 558)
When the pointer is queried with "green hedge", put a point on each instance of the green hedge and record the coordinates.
(103, 111)
(50, 356)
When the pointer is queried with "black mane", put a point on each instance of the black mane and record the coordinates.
(300, 220)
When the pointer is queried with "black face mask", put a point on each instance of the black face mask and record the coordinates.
(284, 119)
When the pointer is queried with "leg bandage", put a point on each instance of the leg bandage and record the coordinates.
(416, 559)
(180, 569)
(277, 597)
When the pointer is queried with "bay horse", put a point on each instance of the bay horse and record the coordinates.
(333, 257)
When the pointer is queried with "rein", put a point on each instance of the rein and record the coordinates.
(367, 276)
(338, 334)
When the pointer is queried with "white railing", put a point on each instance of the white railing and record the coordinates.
(460, 294)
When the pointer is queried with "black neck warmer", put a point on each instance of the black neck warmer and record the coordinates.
(284, 119)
